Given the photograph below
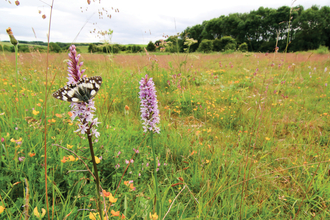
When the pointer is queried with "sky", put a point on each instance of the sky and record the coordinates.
(135, 22)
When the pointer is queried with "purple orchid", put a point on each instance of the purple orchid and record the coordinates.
(85, 112)
(149, 105)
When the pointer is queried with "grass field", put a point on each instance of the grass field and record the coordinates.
(243, 136)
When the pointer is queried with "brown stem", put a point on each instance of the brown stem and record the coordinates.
(45, 148)
(95, 170)
(27, 195)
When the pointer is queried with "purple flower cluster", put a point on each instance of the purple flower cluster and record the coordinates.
(74, 66)
(149, 107)
(85, 112)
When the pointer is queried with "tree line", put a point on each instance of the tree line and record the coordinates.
(40, 46)
(291, 29)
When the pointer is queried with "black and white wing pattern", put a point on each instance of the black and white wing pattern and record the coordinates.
(84, 90)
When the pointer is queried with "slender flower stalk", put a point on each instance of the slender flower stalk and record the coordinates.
(150, 118)
(85, 113)
(14, 42)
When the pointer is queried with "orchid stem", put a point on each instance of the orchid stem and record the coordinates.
(155, 172)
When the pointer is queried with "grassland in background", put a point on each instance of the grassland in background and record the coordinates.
(257, 119)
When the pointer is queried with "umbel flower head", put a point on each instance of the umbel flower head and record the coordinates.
(85, 112)
(149, 105)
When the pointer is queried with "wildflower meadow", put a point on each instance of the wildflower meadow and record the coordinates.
(241, 135)
(158, 135)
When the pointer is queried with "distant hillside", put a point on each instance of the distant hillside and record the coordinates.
(57, 47)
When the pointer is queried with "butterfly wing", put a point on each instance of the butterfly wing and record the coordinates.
(90, 86)
(84, 90)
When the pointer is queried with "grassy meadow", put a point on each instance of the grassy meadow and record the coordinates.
(243, 136)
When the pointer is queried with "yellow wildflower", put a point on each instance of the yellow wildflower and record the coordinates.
(69, 146)
(37, 214)
(2, 209)
(154, 216)
(35, 112)
(95, 216)
(97, 160)
(71, 158)
(112, 199)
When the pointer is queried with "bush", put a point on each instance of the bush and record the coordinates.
(151, 47)
(78, 50)
(217, 45)
(123, 48)
(224, 41)
(243, 47)
(92, 48)
(5, 48)
(54, 47)
(21, 48)
(111, 49)
(322, 50)
(228, 52)
(136, 48)
(205, 46)
(230, 46)
(40, 49)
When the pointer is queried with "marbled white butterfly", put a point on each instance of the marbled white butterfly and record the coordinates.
(84, 90)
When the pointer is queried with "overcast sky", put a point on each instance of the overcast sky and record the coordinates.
(136, 22)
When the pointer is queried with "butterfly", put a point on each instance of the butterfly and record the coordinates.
(84, 90)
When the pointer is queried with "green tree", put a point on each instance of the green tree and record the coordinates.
(243, 47)
(309, 36)
(54, 47)
(206, 46)
(123, 48)
(151, 47)
(92, 48)
(325, 25)
(217, 45)
(194, 32)
(136, 48)
(4, 48)
(224, 41)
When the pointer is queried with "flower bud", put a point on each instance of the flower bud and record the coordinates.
(13, 41)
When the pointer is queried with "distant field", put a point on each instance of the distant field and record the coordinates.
(9, 44)
(83, 49)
